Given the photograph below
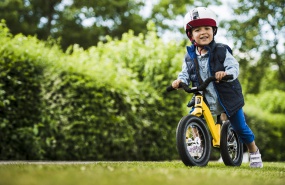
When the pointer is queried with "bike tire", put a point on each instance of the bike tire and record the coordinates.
(182, 141)
(230, 146)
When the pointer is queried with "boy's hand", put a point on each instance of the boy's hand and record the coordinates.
(219, 75)
(175, 83)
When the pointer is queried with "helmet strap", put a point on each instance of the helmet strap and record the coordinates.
(197, 45)
(200, 51)
(215, 30)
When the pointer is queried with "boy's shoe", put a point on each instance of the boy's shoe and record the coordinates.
(255, 160)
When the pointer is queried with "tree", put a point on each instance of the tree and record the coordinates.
(67, 19)
(103, 17)
(30, 17)
(86, 22)
(258, 33)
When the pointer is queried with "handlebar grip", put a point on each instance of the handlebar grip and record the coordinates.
(170, 88)
(228, 77)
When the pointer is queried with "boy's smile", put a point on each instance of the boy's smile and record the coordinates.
(204, 38)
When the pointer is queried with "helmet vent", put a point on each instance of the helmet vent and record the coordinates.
(195, 15)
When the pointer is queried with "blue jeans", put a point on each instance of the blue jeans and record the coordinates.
(240, 126)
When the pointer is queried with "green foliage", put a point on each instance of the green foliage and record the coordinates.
(74, 22)
(268, 127)
(104, 103)
(20, 105)
(153, 65)
(87, 119)
(269, 101)
(265, 116)
(87, 22)
(271, 81)
(256, 29)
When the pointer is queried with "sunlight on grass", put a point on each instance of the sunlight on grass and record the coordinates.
(139, 173)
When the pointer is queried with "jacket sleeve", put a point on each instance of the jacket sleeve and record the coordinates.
(231, 65)
(183, 75)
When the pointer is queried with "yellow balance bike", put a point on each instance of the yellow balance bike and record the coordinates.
(198, 131)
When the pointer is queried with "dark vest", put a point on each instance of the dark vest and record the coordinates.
(229, 93)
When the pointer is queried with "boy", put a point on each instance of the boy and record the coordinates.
(203, 60)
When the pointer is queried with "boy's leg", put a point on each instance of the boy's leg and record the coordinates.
(246, 135)
(239, 125)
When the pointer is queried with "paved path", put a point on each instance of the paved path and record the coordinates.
(47, 162)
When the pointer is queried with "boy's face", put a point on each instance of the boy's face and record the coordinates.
(203, 35)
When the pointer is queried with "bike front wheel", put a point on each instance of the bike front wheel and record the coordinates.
(193, 141)
(231, 147)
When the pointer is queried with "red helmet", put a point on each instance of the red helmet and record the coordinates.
(199, 16)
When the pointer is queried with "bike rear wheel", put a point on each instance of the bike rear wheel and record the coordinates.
(231, 147)
(193, 141)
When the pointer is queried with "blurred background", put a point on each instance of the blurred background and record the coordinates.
(86, 79)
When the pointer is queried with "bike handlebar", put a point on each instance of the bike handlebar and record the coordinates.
(201, 87)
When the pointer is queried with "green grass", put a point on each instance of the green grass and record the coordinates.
(138, 173)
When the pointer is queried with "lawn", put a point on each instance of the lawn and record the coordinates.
(138, 173)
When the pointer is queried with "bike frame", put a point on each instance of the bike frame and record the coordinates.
(193, 135)
(201, 108)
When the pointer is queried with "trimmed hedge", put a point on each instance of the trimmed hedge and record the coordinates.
(268, 126)
(86, 121)
(84, 105)
(20, 101)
